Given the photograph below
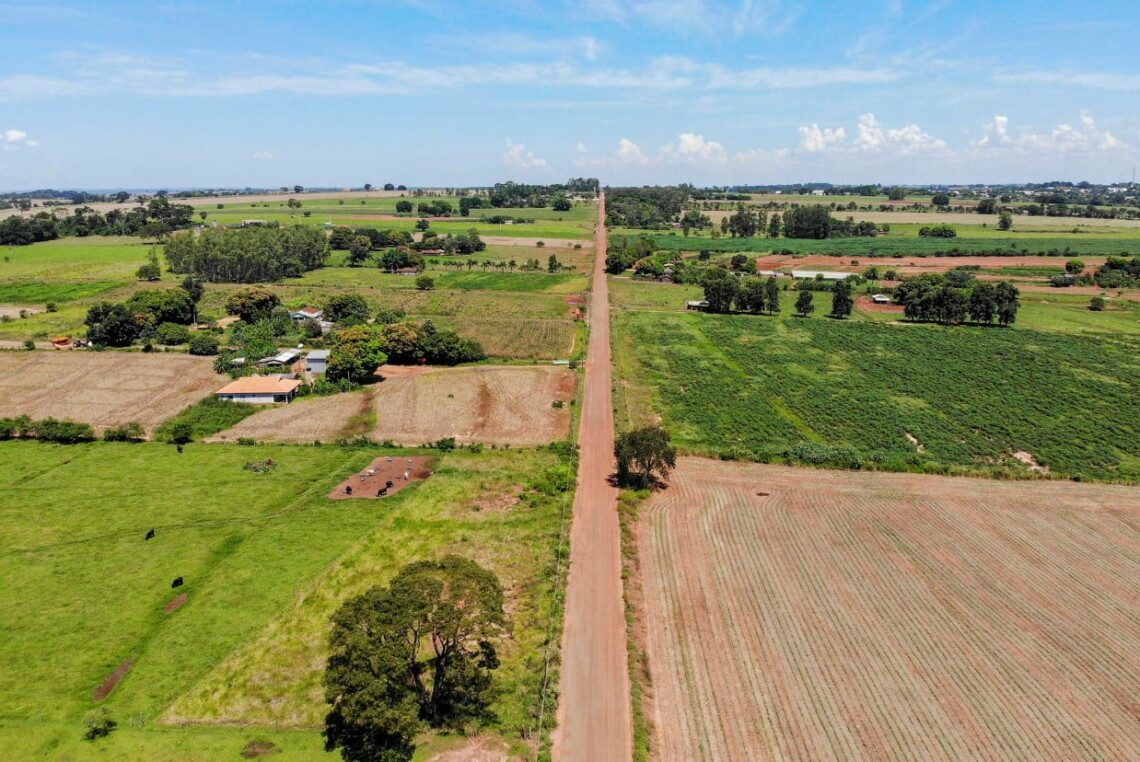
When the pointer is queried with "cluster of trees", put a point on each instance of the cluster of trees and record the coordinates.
(937, 231)
(460, 243)
(726, 292)
(359, 349)
(957, 296)
(154, 220)
(45, 430)
(422, 650)
(160, 314)
(248, 255)
(342, 238)
(623, 253)
(407, 343)
(1118, 272)
(511, 195)
(647, 207)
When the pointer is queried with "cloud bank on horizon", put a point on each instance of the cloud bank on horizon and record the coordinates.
(633, 91)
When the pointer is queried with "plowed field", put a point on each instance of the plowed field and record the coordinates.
(103, 389)
(489, 405)
(855, 616)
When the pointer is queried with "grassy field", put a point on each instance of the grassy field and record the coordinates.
(828, 615)
(902, 245)
(266, 558)
(969, 397)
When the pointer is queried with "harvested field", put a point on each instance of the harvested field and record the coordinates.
(864, 303)
(367, 484)
(913, 265)
(890, 617)
(485, 404)
(104, 389)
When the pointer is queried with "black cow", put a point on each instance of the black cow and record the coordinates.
(177, 582)
(382, 492)
(348, 490)
(388, 485)
(150, 535)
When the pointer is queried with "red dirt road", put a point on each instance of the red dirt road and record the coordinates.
(594, 720)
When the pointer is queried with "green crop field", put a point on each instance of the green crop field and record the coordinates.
(908, 246)
(266, 559)
(93, 258)
(971, 397)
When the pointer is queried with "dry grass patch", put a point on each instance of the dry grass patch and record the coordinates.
(485, 404)
(890, 617)
(104, 389)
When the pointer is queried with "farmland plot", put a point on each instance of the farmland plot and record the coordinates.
(890, 617)
(484, 404)
(104, 389)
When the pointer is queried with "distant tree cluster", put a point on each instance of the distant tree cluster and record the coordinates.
(342, 237)
(937, 231)
(45, 430)
(148, 314)
(155, 219)
(511, 195)
(955, 297)
(407, 343)
(248, 255)
(649, 207)
(1118, 272)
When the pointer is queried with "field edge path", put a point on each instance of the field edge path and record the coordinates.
(594, 714)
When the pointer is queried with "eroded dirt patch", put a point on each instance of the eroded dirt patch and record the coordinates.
(176, 603)
(371, 481)
(108, 685)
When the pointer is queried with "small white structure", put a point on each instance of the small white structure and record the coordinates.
(881, 299)
(259, 390)
(827, 275)
(284, 359)
(317, 361)
(700, 306)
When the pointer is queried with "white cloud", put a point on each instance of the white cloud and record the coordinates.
(702, 18)
(909, 140)
(518, 157)
(1064, 138)
(1094, 80)
(582, 147)
(263, 156)
(814, 139)
(14, 139)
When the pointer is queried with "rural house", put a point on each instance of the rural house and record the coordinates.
(408, 271)
(307, 313)
(284, 359)
(259, 390)
(317, 361)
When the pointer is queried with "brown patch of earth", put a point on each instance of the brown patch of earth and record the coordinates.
(175, 604)
(368, 483)
(864, 303)
(108, 685)
(396, 371)
(478, 749)
(1030, 460)
(255, 749)
(14, 310)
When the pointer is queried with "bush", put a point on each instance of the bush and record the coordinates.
(1097, 304)
(51, 307)
(128, 432)
(203, 344)
(62, 432)
(98, 724)
(172, 334)
(29, 344)
(425, 283)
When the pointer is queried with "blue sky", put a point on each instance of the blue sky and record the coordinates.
(174, 94)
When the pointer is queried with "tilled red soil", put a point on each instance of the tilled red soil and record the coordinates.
(368, 483)
(175, 604)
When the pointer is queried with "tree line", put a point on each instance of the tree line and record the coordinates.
(957, 297)
(156, 219)
(247, 255)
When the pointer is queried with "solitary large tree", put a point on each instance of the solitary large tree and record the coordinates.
(841, 301)
(420, 650)
(356, 354)
(644, 457)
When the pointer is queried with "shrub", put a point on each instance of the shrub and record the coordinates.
(172, 334)
(29, 344)
(246, 441)
(1097, 304)
(51, 307)
(425, 283)
(128, 432)
(62, 432)
(98, 724)
(203, 344)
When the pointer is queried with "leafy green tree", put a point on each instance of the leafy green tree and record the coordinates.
(987, 206)
(172, 334)
(359, 250)
(895, 193)
(645, 456)
(195, 289)
(1097, 304)
(425, 283)
(202, 343)
(983, 303)
(168, 305)
(347, 308)
(421, 649)
(804, 303)
(404, 207)
(1008, 302)
(841, 301)
(752, 296)
(251, 304)
(552, 264)
(1005, 221)
(1074, 267)
(355, 355)
(561, 204)
(112, 325)
(772, 295)
(152, 270)
(180, 432)
(812, 222)
(775, 225)
(722, 289)
(940, 199)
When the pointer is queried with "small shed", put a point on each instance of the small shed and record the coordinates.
(824, 274)
(408, 271)
(881, 299)
(259, 390)
(700, 306)
(283, 359)
(317, 361)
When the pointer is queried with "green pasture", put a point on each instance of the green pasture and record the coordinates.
(265, 558)
(93, 258)
(903, 246)
(747, 386)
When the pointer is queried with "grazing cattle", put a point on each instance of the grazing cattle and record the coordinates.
(382, 492)
(150, 535)
(177, 582)
(389, 484)
(348, 490)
